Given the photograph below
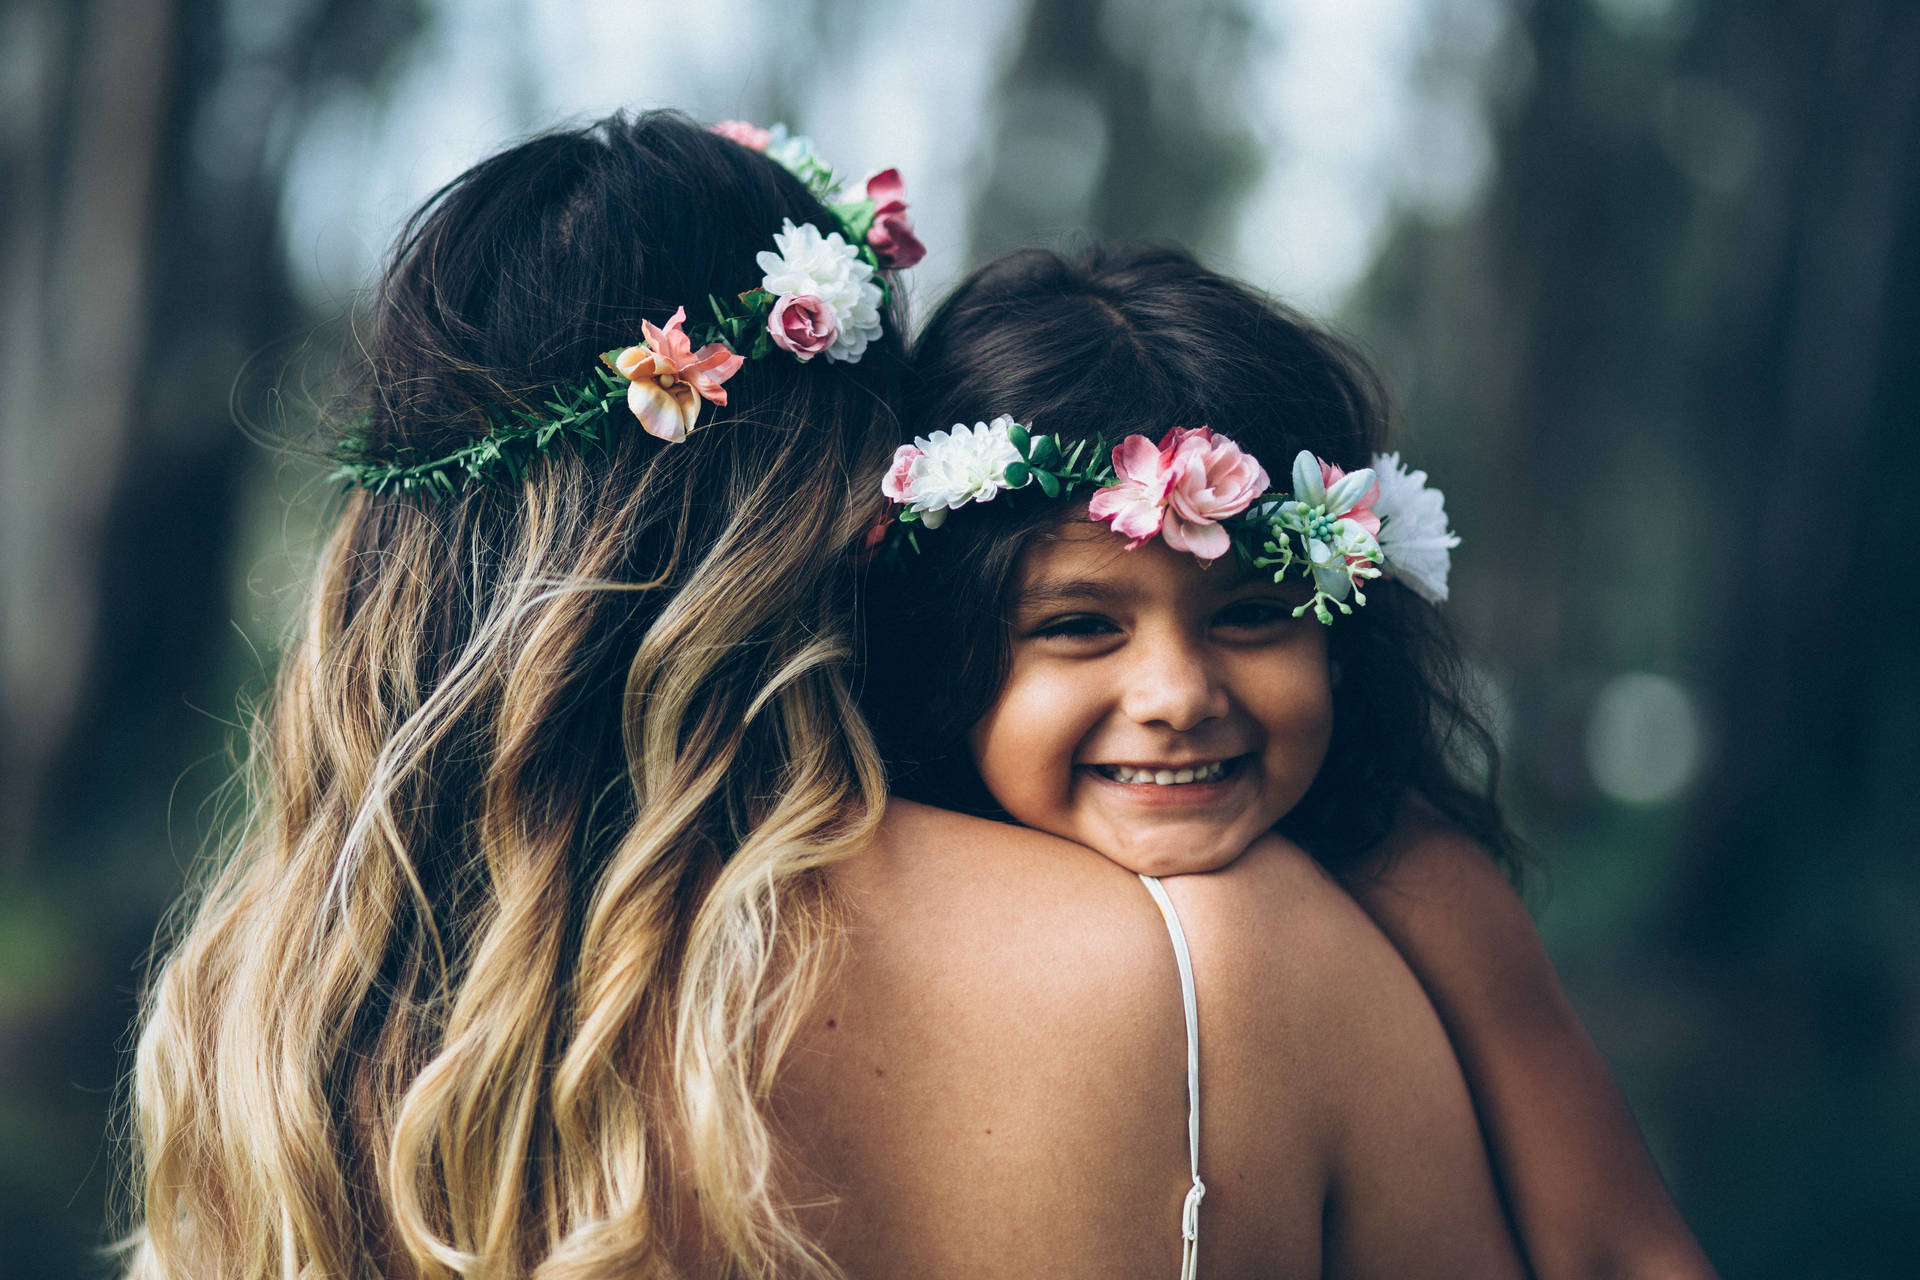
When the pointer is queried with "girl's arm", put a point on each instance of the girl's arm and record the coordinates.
(1583, 1189)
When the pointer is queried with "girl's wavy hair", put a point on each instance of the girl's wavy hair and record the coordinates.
(498, 975)
(1140, 339)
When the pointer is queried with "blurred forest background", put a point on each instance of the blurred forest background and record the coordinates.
(1640, 273)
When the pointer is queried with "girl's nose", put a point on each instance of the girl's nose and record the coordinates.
(1172, 683)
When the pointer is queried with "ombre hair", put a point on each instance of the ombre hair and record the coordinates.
(528, 902)
(1139, 339)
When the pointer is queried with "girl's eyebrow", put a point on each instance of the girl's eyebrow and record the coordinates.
(1049, 594)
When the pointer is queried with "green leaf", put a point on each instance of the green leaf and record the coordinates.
(1018, 473)
(1045, 452)
(756, 299)
(1018, 434)
(1049, 483)
(856, 219)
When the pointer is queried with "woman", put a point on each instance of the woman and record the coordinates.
(572, 933)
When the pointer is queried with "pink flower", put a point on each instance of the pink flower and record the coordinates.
(1181, 490)
(802, 324)
(1214, 480)
(1360, 512)
(1135, 506)
(751, 136)
(898, 484)
(891, 234)
(670, 378)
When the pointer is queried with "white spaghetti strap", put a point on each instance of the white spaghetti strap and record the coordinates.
(1190, 1210)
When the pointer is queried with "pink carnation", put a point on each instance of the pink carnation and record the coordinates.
(1181, 490)
(1135, 504)
(898, 484)
(1215, 480)
(891, 234)
(802, 324)
(751, 136)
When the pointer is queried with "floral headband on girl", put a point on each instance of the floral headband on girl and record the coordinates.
(819, 295)
(1202, 493)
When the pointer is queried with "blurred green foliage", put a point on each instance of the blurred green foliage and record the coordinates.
(1659, 364)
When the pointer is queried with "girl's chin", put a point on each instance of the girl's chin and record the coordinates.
(1169, 848)
(1173, 859)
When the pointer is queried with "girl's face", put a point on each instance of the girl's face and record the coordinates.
(1159, 712)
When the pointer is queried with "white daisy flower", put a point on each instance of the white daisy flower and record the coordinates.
(830, 269)
(1413, 533)
(967, 464)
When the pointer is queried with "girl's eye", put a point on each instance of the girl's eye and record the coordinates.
(1074, 626)
(1249, 614)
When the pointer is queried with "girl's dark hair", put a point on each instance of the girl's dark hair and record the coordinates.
(1124, 340)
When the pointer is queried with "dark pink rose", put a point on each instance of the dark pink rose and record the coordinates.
(802, 324)
(751, 136)
(891, 234)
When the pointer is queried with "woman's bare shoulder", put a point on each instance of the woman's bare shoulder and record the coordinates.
(981, 900)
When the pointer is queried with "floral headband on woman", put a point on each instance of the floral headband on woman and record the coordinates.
(819, 295)
(1200, 492)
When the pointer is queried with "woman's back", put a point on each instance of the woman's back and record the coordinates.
(995, 1084)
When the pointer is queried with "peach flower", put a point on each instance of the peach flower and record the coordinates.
(670, 378)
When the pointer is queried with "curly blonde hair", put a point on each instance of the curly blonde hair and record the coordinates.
(527, 908)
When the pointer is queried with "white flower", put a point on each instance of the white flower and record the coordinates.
(831, 270)
(967, 464)
(1413, 534)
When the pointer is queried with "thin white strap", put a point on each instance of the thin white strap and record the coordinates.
(1190, 1210)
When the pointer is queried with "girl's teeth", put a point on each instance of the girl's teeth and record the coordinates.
(1166, 777)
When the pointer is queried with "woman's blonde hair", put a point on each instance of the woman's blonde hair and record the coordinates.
(498, 976)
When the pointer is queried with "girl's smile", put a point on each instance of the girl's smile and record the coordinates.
(1160, 712)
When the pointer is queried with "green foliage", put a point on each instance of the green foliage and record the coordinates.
(512, 444)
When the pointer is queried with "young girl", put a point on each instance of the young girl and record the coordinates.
(1162, 598)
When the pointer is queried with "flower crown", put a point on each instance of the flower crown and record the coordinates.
(819, 295)
(1200, 492)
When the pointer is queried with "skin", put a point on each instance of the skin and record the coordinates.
(1584, 1192)
(993, 1084)
(1146, 659)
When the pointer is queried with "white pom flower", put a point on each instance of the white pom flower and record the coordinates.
(967, 464)
(830, 269)
(1413, 533)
